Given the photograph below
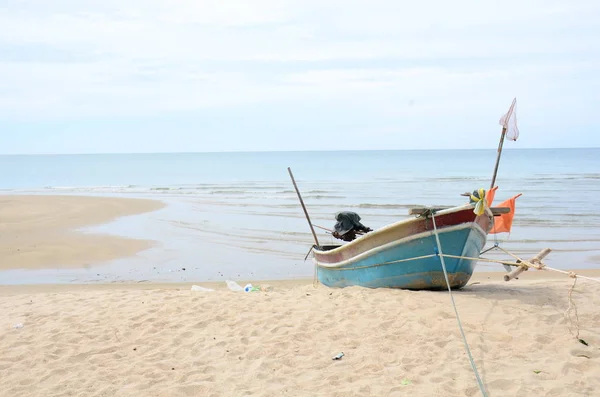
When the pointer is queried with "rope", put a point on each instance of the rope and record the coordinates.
(315, 281)
(568, 311)
(571, 274)
(528, 264)
(439, 247)
(522, 263)
(410, 259)
(384, 263)
(491, 248)
(482, 259)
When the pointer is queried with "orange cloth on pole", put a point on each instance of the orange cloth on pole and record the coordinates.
(503, 223)
(489, 195)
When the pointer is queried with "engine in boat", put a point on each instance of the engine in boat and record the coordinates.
(348, 225)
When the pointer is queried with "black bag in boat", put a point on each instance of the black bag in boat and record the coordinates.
(348, 221)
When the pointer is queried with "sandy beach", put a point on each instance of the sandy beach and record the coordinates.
(157, 340)
(39, 231)
(157, 157)
(132, 339)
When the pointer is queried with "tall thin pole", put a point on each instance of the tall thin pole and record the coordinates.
(498, 158)
(304, 208)
(504, 122)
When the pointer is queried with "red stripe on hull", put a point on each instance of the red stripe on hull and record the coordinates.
(400, 231)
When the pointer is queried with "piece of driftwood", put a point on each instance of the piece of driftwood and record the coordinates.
(536, 260)
(496, 211)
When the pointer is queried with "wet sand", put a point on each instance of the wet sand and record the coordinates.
(39, 232)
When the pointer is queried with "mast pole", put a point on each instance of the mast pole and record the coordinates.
(312, 229)
(500, 145)
(504, 122)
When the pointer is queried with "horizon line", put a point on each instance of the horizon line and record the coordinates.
(294, 151)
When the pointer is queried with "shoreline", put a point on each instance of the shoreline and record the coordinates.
(531, 276)
(98, 241)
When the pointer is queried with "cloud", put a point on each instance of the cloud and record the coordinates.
(377, 59)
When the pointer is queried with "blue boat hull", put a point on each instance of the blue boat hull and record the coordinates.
(375, 271)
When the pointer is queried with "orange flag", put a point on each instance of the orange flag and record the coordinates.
(503, 223)
(489, 195)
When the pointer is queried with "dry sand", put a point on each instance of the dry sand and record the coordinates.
(37, 231)
(147, 340)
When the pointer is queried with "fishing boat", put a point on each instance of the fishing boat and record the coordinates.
(438, 248)
(405, 254)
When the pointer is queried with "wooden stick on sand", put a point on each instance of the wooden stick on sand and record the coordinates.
(536, 260)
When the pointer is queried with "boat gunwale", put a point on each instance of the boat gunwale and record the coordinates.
(391, 226)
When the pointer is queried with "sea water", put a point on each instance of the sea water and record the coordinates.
(236, 215)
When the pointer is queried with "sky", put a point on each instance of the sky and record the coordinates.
(122, 76)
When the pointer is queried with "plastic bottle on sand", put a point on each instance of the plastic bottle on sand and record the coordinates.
(197, 288)
(234, 286)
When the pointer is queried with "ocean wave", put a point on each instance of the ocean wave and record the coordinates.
(525, 221)
(245, 186)
(554, 240)
(89, 187)
(569, 177)
(457, 178)
(229, 192)
(306, 197)
(322, 196)
(159, 189)
(384, 206)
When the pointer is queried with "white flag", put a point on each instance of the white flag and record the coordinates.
(509, 122)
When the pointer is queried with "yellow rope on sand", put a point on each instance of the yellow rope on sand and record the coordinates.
(536, 263)
(568, 311)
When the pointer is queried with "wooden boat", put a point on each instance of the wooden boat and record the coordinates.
(405, 254)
